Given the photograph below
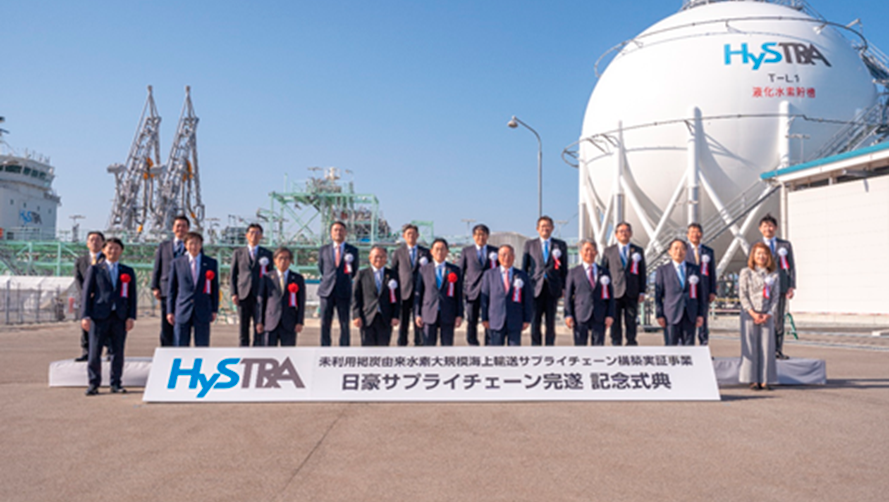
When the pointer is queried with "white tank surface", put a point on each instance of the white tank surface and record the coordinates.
(771, 85)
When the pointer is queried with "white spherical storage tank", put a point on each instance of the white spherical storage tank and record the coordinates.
(770, 86)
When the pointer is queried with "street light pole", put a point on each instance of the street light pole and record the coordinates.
(513, 123)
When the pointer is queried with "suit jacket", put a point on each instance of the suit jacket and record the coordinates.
(708, 282)
(498, 306)
(81, 266)
(244, 277)
(189, 300)
(786, 276)
(163, 261)
(473, 270)
(750, 288)
(368, 303)
(102, 299)
(537, 270)
(625, 282)
(432, 303)
(407, 273)
(273, 303)
(334, 279)
(670, 298)
(583, 302)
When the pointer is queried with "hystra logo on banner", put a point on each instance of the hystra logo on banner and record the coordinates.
(773, 53)
(250, 373)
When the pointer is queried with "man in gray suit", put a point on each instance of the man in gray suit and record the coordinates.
(280, 303)
(249, 264)
(704, 257)
(782, 253)
(626, 263)
(338, 264)
(376, 300)
(95, 241)
(167, 251)
(677, 297)
(507, 300)
(475, 260)
(406, 262)
(589, 298)
(545, 260)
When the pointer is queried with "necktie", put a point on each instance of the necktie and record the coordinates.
(623, 255)
(545, 251)
(772, 246)
(506, 280)
(252, 254)
(281, 277)
(194, 270)
(95, 259)
(337, 255)
(681, 271)
(413, 256)
(178, 251)
(113, 271)
(438, 272)
(481, 257)
(697, 256)
(378, 279)
(592, 278)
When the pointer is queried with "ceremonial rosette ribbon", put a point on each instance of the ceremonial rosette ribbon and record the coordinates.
(782, 254)
(423, 260)
(492, 258)
(693, 286)
(452, 279)
(634, 268)
(125, 285)
(767, 287)
(293, 288)
(348, 263)
(263, 266)
(557, 253)
(705, 268)
(517, 286)
(392, 285)
(208, 283)
(605, 281)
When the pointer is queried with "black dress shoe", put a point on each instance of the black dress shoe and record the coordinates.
(117, 389)
(780, 355)
(82, 358)
(92, 391)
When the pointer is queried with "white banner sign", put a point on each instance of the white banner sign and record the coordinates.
(432, 374)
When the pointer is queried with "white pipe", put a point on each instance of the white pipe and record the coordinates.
(784, 134)
(691, 176)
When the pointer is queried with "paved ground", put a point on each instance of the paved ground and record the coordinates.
(825, 443)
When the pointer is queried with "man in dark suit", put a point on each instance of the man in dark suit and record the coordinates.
(704, 257)
(438, 299)
(475, 260)
(249, 264)
(406, 262)
(280, 303)
(589, 298)
(338, 263)
(507, 300)
(108, 311)
(545, 260)
(95, 241)
(167, 251)
(626, 265)
(677, 297)
(782, 253)
(193, 294)
(376, 300)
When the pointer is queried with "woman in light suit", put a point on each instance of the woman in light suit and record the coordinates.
(759, 290)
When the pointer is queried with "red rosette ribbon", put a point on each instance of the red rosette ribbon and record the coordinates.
(293, 288)
(452, 279)
(125, 285)
(210, 275)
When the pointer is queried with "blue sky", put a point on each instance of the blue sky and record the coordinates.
(413, 97)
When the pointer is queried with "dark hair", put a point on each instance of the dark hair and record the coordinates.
(184, 218)
(768, 219)
(623, 224)
(484, 228)
(751, 263)
(194, 235)
(696, 225)
(337, 222)
(283, 250)
(96, 232)
(256, 226)
(584, 242)
(545, 218)
(409, 226)
(114, 240)
(441, 240)
(381, 248)
(678, 240)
